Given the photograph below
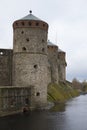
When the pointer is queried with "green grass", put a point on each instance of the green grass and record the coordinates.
(61, 92)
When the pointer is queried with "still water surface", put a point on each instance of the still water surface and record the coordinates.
(71, 116)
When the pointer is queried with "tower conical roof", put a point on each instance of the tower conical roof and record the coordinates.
(36, 22)
(50, 43)
(30, 17)
(59, 50)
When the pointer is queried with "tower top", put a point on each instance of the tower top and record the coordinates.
(30, 17)
(30, 11)
(30, 21)
(50, 43)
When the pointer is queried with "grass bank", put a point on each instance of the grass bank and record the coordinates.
(59, 93)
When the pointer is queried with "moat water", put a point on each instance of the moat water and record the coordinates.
(69, 116)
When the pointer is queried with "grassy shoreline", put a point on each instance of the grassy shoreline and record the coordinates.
(60, 93)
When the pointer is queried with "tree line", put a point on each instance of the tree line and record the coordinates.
(81, 86)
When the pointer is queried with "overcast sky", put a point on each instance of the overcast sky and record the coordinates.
(67, 21)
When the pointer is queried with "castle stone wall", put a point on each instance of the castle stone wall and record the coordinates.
(31, 70)
(53, 61)
(30, 66)
(14, 98)
(5, 67)
(49, 73)
(32, 40)
(62, 66)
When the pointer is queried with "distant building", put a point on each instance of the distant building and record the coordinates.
(34, 62)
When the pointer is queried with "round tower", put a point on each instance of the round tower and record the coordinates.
(30, 56)
(53, 61)
(62, 65)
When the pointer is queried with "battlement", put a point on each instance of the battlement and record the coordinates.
(30, 24)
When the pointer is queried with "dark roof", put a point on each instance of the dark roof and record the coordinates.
(59, 50)
(30, 17)
(51, 44)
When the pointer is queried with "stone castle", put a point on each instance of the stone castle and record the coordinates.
(28, 68)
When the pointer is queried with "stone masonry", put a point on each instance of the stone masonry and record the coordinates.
(33, 63)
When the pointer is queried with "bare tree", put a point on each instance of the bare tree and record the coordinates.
(76, 84)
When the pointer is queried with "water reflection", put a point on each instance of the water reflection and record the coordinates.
(69, 116)
(58, 107)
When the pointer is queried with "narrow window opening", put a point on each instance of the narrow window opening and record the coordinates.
(37, 94)
(16, 24)
(22, 32)
(27, 39)
(22, 23)
(43, 49)
(43, 40)
(37, 24)
(30, 23)
(24, 48)
(35, 66)
(43, 25)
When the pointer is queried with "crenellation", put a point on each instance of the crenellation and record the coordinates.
(30, 23)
